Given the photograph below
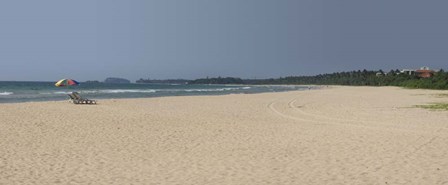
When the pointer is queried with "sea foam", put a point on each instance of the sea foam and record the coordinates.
(127, 91)
(6, 93)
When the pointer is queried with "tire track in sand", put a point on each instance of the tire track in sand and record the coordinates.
(311, 120)
(410, 149)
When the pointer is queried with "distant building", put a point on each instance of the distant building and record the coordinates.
(408, 71)
(379, 74)
(424, 72)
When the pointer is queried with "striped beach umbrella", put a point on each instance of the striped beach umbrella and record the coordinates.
(66, 82)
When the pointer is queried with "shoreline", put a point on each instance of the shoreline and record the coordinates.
(316, 87)
(168, 95)
(153, 97)
(305, 87)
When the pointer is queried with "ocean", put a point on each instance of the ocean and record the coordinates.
(11, 92)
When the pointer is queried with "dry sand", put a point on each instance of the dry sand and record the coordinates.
(337, 135)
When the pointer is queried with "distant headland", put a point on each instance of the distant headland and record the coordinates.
(116, 80)
(167, 81)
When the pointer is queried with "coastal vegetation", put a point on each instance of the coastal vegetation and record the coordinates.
(219, 80)
(352, 78)
(167, 81)
(435, 106)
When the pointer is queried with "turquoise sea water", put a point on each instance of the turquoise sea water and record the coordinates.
(46, 91)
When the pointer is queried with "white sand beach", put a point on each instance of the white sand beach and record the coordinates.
(335, 135)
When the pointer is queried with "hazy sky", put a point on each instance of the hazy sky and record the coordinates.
(88, 39)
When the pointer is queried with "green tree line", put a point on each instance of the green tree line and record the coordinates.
(351, 78)
(366, 78)
(219, 80)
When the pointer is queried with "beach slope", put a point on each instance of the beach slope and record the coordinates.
(336, 135)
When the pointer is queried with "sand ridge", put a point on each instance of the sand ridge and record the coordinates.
(336, 135)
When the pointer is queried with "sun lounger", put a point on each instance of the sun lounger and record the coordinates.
(72, 99)
(77, 99)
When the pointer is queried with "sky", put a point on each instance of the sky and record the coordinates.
(47, 40)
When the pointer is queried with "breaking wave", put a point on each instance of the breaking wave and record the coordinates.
(6, 93)
(123, 91)
(116, 91)
(209, 90)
